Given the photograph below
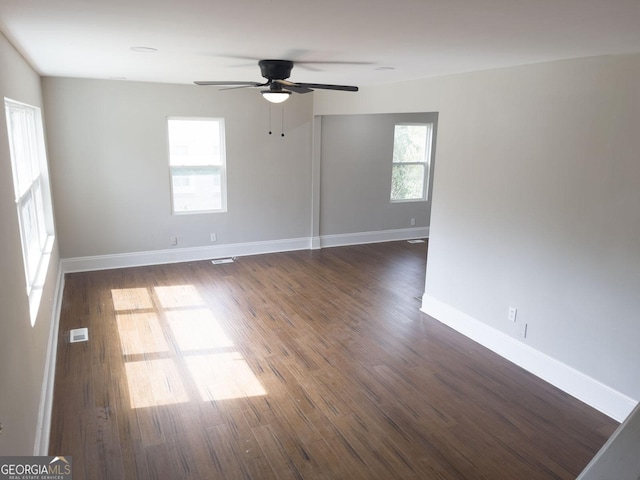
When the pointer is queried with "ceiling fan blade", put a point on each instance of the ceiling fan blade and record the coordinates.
(329, 62)
(236, 87)
(298, 89)
(323, 86)
(294, 87)
(231, 84)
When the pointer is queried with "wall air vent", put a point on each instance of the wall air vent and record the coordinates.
(79, 335)
(415, 241)
(220, 261)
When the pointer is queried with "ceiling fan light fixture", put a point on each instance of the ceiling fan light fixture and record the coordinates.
(275, 97)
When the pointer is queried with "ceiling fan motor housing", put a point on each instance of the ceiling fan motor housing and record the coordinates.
(275, 69)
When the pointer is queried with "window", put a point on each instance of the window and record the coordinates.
(411, 160)
(32, 195)
(197, 165)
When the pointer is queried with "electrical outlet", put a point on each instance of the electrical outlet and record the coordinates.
(513, 313)
(413, 221)
(173, 241)
(213, 237)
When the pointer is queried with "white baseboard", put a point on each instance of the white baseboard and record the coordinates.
(177, 255)
(43, 426)
(586, 389)
(315, 243)
(343, 239)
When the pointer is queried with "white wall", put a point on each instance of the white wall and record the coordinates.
(23, 348)
(110, 176)
(536, 205)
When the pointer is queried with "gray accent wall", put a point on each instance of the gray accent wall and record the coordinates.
(355, 180)
(23, 348)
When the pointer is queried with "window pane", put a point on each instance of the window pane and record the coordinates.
(21, 149)
(32, 140)
(407, 182)
(30, 240)
(410, 143)
(196, 189)
(196, 163)
(194, 142)
(39, 211)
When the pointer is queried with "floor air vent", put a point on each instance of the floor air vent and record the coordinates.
(220, 261)
(79, 335)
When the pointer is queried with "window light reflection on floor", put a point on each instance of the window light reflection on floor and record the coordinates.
(154, 382)
(197, 329)
(178, 296)
(222, 376)
(131, 299)
(164, 326)
(140, 333)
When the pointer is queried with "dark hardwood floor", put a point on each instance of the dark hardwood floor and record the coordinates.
(302, 365)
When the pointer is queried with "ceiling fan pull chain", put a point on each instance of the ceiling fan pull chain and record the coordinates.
(282, 126)
(270, 132)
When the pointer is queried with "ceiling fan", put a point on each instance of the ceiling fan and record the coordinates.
(276, 72)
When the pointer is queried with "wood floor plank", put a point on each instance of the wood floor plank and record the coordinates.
(300, 365)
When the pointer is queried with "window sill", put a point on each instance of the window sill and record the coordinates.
(34, 290)
(410, 200)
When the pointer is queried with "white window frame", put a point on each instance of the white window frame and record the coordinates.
(208, 169)
(32, 195)
(426, 163)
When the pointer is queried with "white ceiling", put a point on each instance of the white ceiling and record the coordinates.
(222, 40)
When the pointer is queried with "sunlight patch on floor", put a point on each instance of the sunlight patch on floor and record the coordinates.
(223, 376)
(197, 329)
(178, 296)
(131, 299)
(171, 342)
(154, 382)
(141, 333)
